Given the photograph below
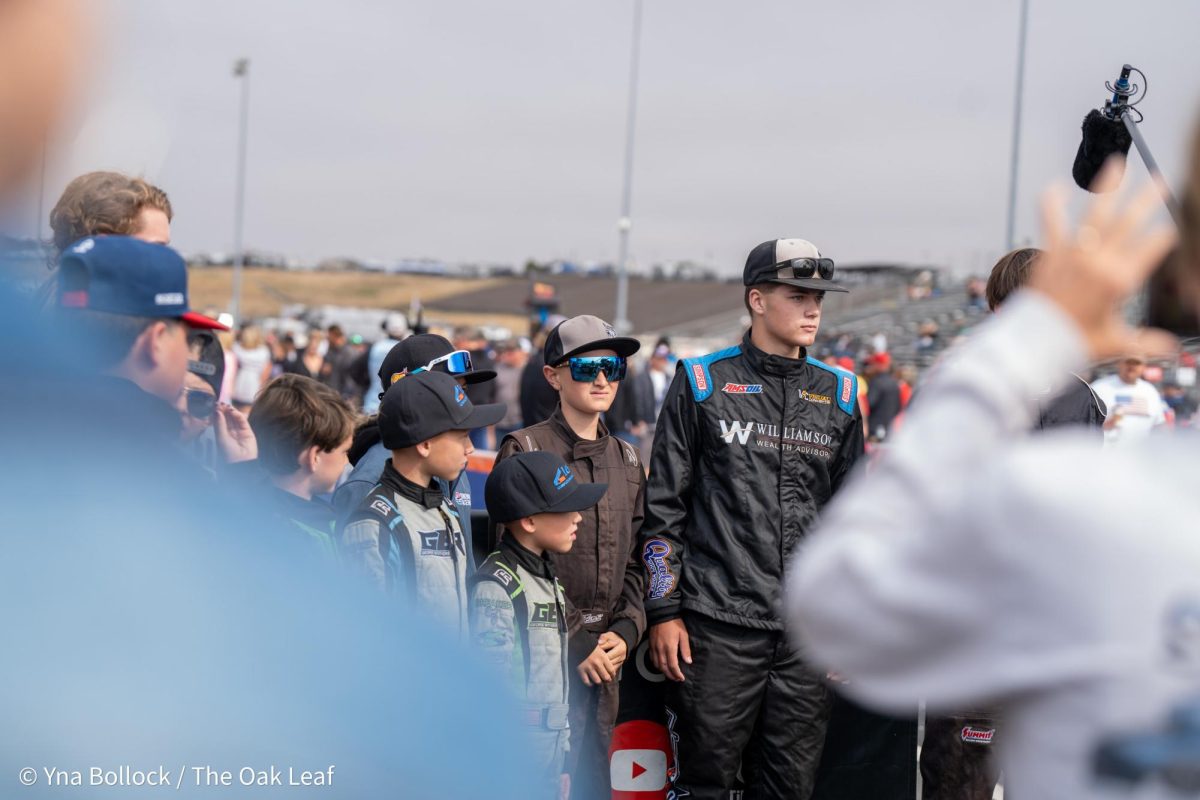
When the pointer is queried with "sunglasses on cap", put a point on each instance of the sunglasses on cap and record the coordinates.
(200, 404)
(805, 268)
(586, 370)
(456, 363)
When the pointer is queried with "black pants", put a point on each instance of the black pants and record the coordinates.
(957, 759)
(750, 713)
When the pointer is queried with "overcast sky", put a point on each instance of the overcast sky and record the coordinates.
(494, 131)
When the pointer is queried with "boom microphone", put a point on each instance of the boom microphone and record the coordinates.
(1102, 137)
(1105, 133)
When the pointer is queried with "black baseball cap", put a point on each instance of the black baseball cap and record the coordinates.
(123, 275)
(209, 363)
(417, 351)
(583, 333)
(426, 404)
(537, 483)
(770, 262)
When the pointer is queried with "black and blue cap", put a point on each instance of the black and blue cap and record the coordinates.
(526, 484)
(428, 404)
(126, 276)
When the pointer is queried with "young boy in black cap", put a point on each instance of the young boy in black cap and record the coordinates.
(517, 602)
(424, 351)
(405, 535)
(585, 362)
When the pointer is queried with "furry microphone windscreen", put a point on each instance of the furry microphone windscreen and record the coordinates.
(1102, 137)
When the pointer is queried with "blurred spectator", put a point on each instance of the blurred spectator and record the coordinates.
(474, 342)
(109, 203)
(1181, 405)
(308, 358)
(254, 366)
(883, 396)
(879, 342)
(216, 433)
(395, 328)
(336, 369)
(650, 388)
(927, 337)
(538, 398)
(105, 204)
(906, 378)
(1134, 406)
(511, 359)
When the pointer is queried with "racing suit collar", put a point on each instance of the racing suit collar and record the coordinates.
(428, 496)
(580, 447)
(522, 556)
(771, 364)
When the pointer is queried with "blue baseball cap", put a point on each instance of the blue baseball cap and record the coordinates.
(123, 275)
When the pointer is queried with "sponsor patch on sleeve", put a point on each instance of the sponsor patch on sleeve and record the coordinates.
(662, 580)
(701, 378)
(382, 507)
(742, 388)
(846, 387)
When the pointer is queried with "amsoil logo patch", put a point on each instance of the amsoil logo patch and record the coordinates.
(978, 735)
(823, 399)
(846, 390)
(742, 388)
(701, 380)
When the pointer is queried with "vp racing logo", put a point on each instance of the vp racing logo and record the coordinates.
(662, 580)
(736, 430)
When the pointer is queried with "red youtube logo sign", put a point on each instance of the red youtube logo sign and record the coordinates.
(638, 761)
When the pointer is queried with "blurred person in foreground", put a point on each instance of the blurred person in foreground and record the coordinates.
(148, 610)
(958, 756)
(975, 564)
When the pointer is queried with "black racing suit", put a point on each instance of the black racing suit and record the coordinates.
(958, 761)
(749, 448)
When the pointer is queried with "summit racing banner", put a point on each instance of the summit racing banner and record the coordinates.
(866, 755)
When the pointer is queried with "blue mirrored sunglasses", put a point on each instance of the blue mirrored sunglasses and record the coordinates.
(585, 370)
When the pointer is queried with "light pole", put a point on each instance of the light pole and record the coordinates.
(241, 69)
(622, 323)
(1016, 136)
